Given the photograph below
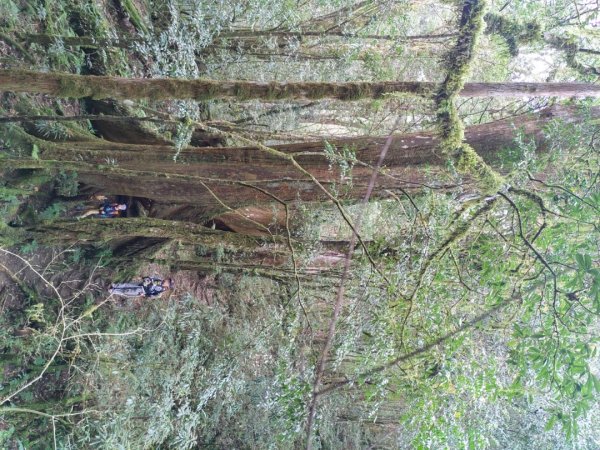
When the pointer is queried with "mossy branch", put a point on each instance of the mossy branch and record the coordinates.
(458, 61)
(513, 32)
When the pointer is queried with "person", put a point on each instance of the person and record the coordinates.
(148, 287)
(106, 211)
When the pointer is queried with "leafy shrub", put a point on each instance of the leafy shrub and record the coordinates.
(52, 212)
(66, 184)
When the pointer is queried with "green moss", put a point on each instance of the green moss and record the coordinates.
(134, 15)
(354, 91)
(74, 87)
(274, 91)
(30, 182)
(514, 33)
(18, 140)
(241, 91)
(316, 91)
(468, 162)
(570, 47)
(10, 236)
(452, 131)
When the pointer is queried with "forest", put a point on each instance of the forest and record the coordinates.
(315, 224)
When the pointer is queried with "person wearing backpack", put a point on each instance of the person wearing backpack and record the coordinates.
(150, 287)
(106, 211)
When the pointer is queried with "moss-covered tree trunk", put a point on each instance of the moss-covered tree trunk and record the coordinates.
(78, 41)
(253, 34)
(262, 261)
(218, 178)
(105, 230)
(101, 87)
(192, 246)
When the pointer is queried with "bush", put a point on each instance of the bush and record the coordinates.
(66, 184)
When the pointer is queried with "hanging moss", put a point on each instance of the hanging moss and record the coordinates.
(516, 34)
(570, 47)
(459, 59)
(513, 32)
(469, 162)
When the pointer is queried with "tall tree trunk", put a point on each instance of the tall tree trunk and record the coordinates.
(196, 247)
(123, 41)
(101, 87)
(264, 261)
(253, 34)
(240, 176)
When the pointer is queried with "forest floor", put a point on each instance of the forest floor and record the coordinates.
(57, 268)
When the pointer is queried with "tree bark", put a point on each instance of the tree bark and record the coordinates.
(253, 34)
(104, 230)
(197, 247)
(262, 261)
(78, 41)
(102, 87)
(241, 176)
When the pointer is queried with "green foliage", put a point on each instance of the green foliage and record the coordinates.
(53, 130)
(30, 247)
(5, 435)
(238, 373)
(377, 66)
(343, 159)
(515, 33)
(200, 372)
(35, 313)
(66, 184)
(54, 211)
(9, 12)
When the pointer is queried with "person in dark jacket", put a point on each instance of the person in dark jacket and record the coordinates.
(148, 287)
(106, 211)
